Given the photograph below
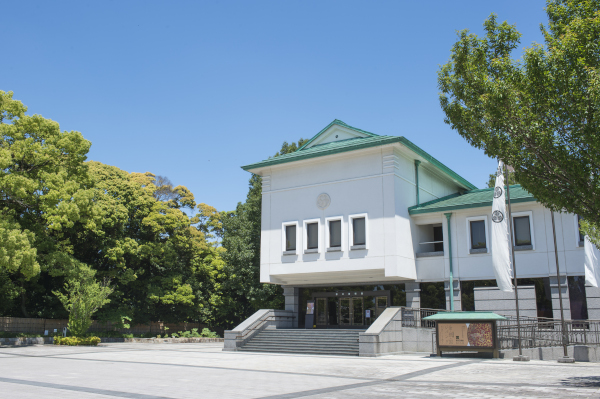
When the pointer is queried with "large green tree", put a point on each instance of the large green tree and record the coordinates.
(45, 191)
(241, 239)
(540, 113)
(62, 218)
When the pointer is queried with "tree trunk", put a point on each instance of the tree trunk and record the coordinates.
(23, 301)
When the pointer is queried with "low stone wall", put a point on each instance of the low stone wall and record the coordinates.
(386, 336)
(190, 340)
(26, 341)
(580, 353)
(492, 299)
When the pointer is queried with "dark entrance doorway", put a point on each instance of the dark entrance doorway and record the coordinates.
(349, 309)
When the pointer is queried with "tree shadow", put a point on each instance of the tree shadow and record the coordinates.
(582, 382)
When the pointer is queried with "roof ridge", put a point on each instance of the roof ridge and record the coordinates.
(340, 123)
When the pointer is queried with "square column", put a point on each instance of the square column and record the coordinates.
(413, 295)
(564, 288)
(593, 302)
(292, 302)
(457, 296)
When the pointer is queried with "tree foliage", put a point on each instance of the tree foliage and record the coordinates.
(541, 113)
(84, 296)
(69, 226)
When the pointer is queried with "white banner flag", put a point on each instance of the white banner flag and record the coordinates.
(500, 251)
(592, 263)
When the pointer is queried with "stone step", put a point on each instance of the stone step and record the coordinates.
(303, 345)
(300, 341)
(302, 351)
(323, 342)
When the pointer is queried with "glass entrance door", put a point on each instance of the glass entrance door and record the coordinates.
(351, 312)
(357, 312)
(345, 309)
(345, 305)
(321, 319)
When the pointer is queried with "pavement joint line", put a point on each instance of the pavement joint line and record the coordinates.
(493, 384)
(107, 392)
(221, 368)
(399, 378)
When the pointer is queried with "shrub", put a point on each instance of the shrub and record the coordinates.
(208, 334)
(84, 296)
(195, 333)
(74, 341)
(4, 334)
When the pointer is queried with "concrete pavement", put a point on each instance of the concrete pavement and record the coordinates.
(151, 371)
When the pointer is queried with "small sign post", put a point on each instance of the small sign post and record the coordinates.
(310, 315)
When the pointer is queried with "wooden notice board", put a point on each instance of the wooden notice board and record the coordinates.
(476, 335)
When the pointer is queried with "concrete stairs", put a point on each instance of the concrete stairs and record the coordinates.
(317, 342)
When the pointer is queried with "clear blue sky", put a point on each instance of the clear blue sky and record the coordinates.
(194, 90)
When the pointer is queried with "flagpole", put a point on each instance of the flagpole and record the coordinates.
(565, 339)
(512, 252)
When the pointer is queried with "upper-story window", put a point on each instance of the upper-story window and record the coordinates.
(477, 234)
(312, 235)
(335, 234)
(438, 238)
(290, 237)
(358, 232)
(522, 231)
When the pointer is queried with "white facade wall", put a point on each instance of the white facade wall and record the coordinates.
(534, 263)
(380, 183)
(377, 182)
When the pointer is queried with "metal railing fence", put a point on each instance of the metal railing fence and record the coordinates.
(413, 317)
(548, 333)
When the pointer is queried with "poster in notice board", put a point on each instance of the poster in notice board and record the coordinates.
(478, 335)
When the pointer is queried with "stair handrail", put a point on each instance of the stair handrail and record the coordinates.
(260, 320)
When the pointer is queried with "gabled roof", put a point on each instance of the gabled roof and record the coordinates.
(369, 140)
(470, 199)
(339, 123)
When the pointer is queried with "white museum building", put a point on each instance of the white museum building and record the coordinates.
(358, 222)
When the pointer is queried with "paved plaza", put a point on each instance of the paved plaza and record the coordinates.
(153, 371)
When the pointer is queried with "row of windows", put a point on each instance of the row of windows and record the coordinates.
(522, 232)
(333, 229)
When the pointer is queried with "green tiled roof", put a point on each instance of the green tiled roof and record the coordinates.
(448, 316)
(469, 199)
(372, 140)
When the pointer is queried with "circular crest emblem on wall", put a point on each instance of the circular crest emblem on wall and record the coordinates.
(497, 217)
(497, 192)
(323, 201)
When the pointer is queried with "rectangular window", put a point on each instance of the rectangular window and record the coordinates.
(290, 238)
(312, 235)
(438, 235)
(478, 234)
(522, 230)
(335, 233)
(358, 231)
